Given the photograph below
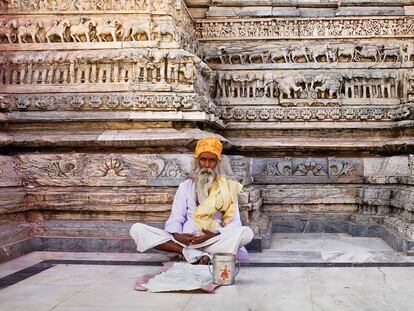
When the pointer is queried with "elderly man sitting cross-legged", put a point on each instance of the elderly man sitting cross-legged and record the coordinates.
(205, 217)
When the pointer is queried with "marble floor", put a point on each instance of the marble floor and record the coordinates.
(107, 284)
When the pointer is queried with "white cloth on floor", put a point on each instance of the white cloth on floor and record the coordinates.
(228, 241)
(181, 276)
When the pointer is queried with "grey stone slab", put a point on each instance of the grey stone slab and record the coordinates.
(16, 249)
(311, 227)
(285, 11)
(317, 12)
(239, 11)
(288, 256)
(282, 226)
(369, 11)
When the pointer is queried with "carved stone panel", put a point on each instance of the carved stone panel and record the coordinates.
(296, 28)
(8, 174)
(307, 170)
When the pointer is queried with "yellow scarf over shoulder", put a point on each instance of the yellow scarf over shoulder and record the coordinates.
(222, 198)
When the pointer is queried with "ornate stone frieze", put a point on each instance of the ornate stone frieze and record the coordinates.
(74, 29)
(283, 114)
(40, 6)
(127, 66)
(296, 28)
(309, 86)
(380, 52)
(176, 9)
(82, 169)
(312, 170)
(108, 101)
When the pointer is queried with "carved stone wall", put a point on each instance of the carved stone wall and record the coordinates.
(101, 103)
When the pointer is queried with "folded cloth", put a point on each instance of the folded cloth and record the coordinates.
(177, 276)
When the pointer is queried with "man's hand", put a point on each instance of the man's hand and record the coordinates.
(202, 238)
(184, 238)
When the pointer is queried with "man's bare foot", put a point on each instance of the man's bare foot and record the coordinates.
(204, 260)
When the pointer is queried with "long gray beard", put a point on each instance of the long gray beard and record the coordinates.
(204, 179)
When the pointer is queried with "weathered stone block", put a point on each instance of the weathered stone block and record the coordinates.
(389, 166)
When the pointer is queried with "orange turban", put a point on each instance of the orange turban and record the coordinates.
(209, 144)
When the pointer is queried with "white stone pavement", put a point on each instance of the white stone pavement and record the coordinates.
(108, 287)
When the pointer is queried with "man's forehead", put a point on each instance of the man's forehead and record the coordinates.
(207, 155)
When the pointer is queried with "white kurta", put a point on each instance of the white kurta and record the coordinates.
(231, 239)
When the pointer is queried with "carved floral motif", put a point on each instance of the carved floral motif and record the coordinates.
(65, 168)
(113, 166)
(308, 167)
(108, 101)
(162, 168)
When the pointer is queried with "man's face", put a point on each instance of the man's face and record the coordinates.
(207, 160)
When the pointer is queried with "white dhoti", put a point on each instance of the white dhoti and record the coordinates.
(229, 241)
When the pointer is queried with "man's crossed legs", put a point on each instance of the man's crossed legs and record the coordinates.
(229, 241)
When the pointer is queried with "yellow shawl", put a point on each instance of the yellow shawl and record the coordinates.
(222, 198)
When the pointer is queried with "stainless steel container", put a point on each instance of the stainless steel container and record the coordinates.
(224, 268)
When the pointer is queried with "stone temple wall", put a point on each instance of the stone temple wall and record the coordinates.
(102, 103)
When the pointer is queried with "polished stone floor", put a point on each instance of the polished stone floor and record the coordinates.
(330, 282)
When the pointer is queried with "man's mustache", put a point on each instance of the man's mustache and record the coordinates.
(206, 171)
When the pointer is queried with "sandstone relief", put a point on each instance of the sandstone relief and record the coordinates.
(144, 65)
(312, 170)
(330, 53)
(78, 169)
(306, 28)
(88, 29)
(165, 172)
(108, 101)
(78, 5)
(268, 114)
(313, 85)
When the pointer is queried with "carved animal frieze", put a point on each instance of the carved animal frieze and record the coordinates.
(310, 86)
(90, 29)
(327, 53)
(305, 28)
(285, 114)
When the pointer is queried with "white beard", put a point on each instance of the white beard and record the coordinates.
(204, 180)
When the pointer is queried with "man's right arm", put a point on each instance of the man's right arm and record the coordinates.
(178, 216)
